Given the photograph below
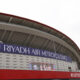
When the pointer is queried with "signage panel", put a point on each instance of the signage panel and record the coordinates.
(32, 51)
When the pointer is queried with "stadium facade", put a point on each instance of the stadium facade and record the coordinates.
(32, 50)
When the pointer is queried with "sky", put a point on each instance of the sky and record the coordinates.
(63, 15)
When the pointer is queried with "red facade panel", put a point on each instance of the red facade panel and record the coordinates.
(28, 74)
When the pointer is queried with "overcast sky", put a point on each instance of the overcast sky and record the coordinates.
(63, 15)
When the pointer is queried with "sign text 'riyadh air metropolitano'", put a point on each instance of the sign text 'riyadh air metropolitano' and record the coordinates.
(5, 48)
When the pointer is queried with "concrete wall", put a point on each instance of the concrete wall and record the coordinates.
(22, 62)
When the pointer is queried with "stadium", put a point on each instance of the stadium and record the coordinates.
(32, 50)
